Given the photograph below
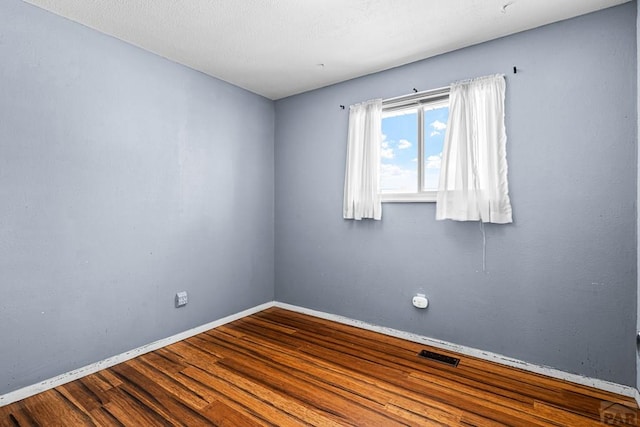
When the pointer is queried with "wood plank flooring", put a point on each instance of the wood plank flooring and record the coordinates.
(280, 368)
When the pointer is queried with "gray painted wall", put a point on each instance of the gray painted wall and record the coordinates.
(123, 178)
(560, 289)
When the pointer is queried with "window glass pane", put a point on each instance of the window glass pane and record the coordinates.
(399, 152)
(435, 125)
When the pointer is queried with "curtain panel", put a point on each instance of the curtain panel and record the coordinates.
(473, 177)
(361, 198)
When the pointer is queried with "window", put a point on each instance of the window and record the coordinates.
(413, 129)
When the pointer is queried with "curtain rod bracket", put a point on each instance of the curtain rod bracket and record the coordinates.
(515, 70)
(342, 107)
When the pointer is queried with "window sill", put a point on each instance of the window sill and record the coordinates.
(424, 197)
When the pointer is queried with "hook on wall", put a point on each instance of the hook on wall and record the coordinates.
(515, 70)
(415, 90)
(342, 107)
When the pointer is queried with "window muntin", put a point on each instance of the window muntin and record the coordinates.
(411, 148)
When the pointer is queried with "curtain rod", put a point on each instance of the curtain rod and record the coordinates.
(418, 95)
(411, 96)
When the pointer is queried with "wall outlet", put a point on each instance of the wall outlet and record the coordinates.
(181, 299)
(420, 301)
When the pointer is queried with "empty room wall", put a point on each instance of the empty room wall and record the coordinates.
(560, 285)
(123, 178)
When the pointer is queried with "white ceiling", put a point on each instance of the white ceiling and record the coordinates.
(278, 48)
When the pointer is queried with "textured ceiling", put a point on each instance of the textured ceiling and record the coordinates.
(278, 48)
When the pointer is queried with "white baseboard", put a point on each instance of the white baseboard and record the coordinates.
(480, 354)
(31, 390)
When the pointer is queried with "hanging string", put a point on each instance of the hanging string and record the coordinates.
(484, 247)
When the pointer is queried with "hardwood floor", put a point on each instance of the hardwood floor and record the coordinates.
(287, 369)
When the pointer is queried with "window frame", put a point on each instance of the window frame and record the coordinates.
(415, 101)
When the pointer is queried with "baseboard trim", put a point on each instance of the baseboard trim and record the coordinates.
(469, 351)
(34, 389)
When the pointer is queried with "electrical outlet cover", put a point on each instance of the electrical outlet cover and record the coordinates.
(181, 299)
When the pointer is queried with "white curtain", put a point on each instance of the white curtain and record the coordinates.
(473, 176)
(361, 198)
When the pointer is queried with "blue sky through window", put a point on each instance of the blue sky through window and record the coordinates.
(435, 125)
(399, 153)
(399, 150)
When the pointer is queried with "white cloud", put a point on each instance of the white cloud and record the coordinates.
(394, 178)
(438, 125)
(403, 144)
(434, 133)
(433, 162)
(387, 170)
(415, 159)
(386, 152)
